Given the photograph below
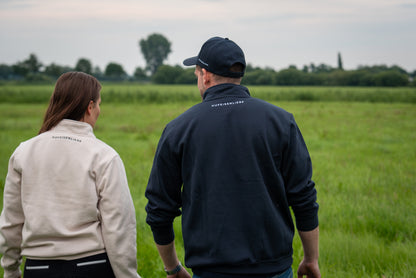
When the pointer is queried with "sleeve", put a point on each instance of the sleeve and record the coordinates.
(164, 192)
(300, 189)
(11, 223)
(118, 220)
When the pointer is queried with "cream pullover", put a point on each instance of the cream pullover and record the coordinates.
(66, 197)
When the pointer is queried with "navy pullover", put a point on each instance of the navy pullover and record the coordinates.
(234, 164)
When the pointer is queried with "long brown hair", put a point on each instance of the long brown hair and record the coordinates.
(73, 92)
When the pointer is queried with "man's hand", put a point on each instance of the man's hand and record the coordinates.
(170, 260)
(309, 269)
(309, 266)
(181, 274)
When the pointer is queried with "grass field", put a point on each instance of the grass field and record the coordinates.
(130, 92)
(363, 153)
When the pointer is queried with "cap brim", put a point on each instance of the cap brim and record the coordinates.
(190, 61)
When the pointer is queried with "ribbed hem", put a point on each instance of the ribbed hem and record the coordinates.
(247, 269)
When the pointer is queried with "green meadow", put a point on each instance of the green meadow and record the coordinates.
(362, 143)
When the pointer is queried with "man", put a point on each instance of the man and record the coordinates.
(232, 166)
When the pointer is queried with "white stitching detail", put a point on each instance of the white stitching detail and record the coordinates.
(37, 267)
(92, 262)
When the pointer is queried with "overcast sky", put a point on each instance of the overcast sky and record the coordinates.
(272, 33)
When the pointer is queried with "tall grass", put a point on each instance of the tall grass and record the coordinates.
(364, 158)
(364, 165)
(131, 92)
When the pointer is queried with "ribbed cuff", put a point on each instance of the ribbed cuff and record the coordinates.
(307, 223)
(163, 235)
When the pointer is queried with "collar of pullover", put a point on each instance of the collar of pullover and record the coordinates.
(75, 127)
(225, 90)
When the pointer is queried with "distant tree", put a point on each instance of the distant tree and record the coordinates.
(413, 76)
(20, 69)
(84, 65)
(338, 78)
(391, 78)
(167, 74)
(312, 79)
(323, 68)
(267, 77)
(260, 77)
(55, 70)
(186, 77)
(374, 69)
(398, 69)
(97, 72)
(362, 78)
(253, 77)
(29, 66)
(289, 77)
(33, 63)
(250, 68)
(312, 67)
(340, 67)
(38, 77)
(115, 71)
(140, 74)
(155, 50)
(6, 72)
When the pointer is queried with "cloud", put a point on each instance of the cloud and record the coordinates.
(271, 31)
(407, 5)
(242, 11)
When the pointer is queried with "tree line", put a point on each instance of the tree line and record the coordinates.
(156, 48)
(321, 75)
(32, 70)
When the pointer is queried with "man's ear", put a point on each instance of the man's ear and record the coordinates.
(90, 107)
(206, 76)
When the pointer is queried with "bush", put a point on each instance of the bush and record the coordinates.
(289, 77)
(186, 77)
(167, 74)
(391, 79)
(260, 77)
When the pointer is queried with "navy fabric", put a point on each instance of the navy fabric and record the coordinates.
(218, 55)
(286, 274)
(232, 166)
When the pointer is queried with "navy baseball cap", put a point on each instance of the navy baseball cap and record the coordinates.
(217, 55)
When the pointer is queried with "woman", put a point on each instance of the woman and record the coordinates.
(67, 205)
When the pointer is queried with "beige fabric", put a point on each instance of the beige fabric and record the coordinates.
(66, 196)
